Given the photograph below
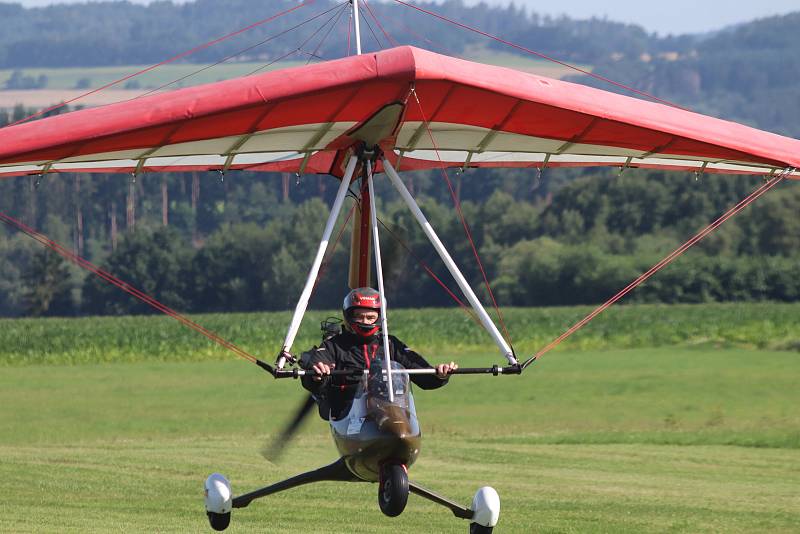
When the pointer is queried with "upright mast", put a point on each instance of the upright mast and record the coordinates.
(357, 26)
(360, 249)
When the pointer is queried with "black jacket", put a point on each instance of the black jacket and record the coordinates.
(349, 351)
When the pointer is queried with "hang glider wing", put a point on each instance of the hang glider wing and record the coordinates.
(422, 108)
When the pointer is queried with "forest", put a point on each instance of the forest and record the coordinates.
(204, 243)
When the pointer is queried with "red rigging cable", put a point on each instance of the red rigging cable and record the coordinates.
(77, 260)
(432, 44)
(374, 35)
(385, 33)
(325, 264)
(543, 56)
(399, 240)
(663, 263)
(430, 272)
(467, 231)
(170, 60)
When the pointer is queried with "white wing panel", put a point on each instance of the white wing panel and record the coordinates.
(196, 148)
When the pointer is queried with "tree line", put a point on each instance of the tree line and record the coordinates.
(246, 243)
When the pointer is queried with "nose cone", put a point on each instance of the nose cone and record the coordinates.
(390, 436)
(394, 423)
(401, 438)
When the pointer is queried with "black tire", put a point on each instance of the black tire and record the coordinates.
(475, 528)
(219, 522)
(393, 490)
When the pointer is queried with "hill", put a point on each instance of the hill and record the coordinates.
(750, 73)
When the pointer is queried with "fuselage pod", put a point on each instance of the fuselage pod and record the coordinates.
(377, 431)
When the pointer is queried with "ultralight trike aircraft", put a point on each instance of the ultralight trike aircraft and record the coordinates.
(382, 113)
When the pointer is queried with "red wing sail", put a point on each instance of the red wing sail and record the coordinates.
(462, 113)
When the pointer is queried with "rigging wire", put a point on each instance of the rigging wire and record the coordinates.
(299, 48)
(170, 60)
(385, 33)
(543, 56)
(422, 263)
(430, 272)
(335, 22)
(244, 50)
(374, 35)
(214, 337)
(457, 203)
(329, 257)
(430, 43)
(663, 263)
(111, 279)
(349, 31)
(276, 60)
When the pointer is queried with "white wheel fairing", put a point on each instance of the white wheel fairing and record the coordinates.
(486, 506)
(218, 494)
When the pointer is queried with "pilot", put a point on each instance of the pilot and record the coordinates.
(359, 346)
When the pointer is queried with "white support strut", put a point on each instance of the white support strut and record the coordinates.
(376, 245)
(302, 304)
(486, 321)
(357, 26)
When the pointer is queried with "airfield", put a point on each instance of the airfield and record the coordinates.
(651, 419)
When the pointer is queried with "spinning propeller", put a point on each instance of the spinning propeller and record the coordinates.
(274, 450)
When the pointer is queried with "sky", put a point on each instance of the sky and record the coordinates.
(673, 16)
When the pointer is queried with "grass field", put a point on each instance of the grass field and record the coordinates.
(703, 437)
(64, 84)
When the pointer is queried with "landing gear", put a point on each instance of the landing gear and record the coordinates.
(219, 501)
(393, 490)
(485, 511)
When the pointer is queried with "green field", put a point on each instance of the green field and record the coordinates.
(694, 436)
(68, 78)
(199, 73)
(158, 338)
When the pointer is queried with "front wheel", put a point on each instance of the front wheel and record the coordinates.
(219, 501)
(393, 490)
(219, 522)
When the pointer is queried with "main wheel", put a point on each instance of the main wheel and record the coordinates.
(219, 522)
(219, 501)
(393, 490)
(475, 528)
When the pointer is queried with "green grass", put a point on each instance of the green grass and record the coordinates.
(156, 338)
(648, 440)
